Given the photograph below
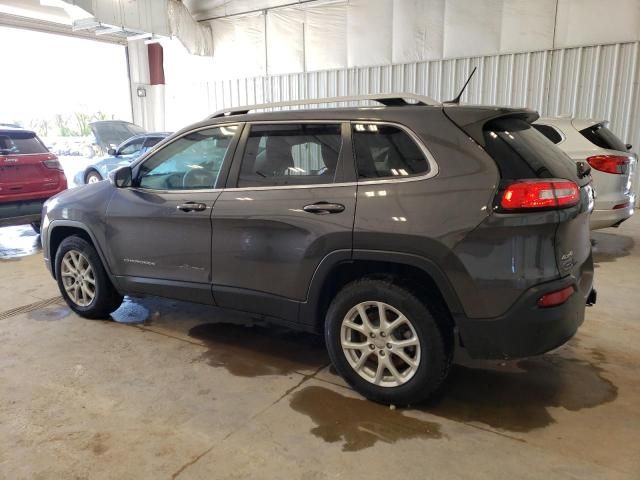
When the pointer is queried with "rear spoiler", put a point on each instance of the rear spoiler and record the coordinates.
(473, 119)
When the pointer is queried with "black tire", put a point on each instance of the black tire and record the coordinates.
(106, 299)
(36, 227)
(92, 174)
(435, 341)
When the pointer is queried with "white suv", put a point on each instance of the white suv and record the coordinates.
(612, 164)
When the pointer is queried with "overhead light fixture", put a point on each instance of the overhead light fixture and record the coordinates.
(109, 29)
(140, 36)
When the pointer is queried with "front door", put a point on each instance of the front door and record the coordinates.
(159, 230)
(288, 208)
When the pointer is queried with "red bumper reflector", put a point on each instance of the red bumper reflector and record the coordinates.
(622, 205)
(556, 298)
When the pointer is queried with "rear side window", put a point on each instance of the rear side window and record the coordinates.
(603, 137)
(521, 151)
(20, 143)
(290, 154)
(384, 151)
(549, 132)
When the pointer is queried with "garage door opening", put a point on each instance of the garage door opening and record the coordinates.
(58, 85)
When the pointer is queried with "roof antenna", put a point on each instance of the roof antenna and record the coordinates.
(456, 100)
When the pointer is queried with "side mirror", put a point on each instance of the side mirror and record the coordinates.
(122, 177)
(113, 152)
(629, 146)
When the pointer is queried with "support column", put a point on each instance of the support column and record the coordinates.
(156, 81)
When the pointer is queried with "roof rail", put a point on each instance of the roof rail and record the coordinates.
(386, 99)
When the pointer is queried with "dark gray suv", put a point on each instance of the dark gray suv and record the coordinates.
(399, 231)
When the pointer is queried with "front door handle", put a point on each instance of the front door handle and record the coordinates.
(192, 207)
(322, 208)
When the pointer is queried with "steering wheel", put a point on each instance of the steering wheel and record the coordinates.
(197, 177)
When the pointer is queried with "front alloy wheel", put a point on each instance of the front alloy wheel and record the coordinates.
(83, 281)
(380, 344)
(78, 278)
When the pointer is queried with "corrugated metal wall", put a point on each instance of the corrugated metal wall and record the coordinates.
(598, 81)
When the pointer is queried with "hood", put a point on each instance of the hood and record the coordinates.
(111, 133)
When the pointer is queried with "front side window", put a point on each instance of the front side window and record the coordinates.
(189, 163)
(132, 147)
(290, 154)
(385, 151)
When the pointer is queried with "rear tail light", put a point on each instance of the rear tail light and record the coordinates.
(609, 163)
(53, 164)
(540, 194)
(556, 298)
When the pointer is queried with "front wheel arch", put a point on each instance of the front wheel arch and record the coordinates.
(59, 230)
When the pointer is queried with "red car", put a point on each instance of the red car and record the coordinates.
(29, 175)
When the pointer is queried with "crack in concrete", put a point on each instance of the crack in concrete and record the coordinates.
(194, 460)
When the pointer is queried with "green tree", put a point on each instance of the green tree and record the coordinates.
(83, 119)
(63, 126)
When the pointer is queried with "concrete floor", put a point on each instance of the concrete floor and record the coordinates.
(173, 390)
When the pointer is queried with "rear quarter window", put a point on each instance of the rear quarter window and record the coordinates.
(16, 143)
(548, 131)
(385, 151)
(603, 137)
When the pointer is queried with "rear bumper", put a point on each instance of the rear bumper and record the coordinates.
(609, 218)
(21, 213)
(527, 329)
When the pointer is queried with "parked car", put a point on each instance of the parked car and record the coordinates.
(612, 164)
(124, 154)
(387, 229)
(29, 174)
(108, 134)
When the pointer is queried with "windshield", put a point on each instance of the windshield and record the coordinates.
(110, 134)
(20, 143)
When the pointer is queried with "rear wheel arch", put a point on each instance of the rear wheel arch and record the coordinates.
(414, 273)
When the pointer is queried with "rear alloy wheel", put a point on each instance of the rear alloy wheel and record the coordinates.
(82, 280)
(386, 342)
(93, 177)
(380, 344)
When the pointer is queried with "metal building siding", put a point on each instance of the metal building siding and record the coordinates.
(598, 81)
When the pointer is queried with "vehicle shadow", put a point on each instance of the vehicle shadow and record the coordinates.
(517, 396)
(514, 396)
(607, 247)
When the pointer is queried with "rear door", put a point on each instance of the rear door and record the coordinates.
(23, 173)
(287, 207)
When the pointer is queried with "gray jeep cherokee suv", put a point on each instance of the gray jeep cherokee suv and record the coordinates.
(398, 231)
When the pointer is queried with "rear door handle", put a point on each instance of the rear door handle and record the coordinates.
(192, 207)
(322, 208)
